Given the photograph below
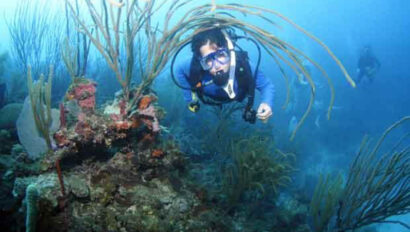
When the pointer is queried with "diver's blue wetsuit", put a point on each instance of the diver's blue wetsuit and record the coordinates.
(367, 65)
(263, 85)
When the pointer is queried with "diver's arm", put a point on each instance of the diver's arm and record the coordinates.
(265, 87)
(182, 73)
(190, 97)
(267, 90)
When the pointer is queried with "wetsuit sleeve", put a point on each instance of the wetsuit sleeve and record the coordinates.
(182, 75)
(264, 86)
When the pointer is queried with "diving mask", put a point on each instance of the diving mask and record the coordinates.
(220, 56)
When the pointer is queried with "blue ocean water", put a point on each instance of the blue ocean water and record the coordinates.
(320, 145)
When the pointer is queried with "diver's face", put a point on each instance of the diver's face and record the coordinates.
(209, 48)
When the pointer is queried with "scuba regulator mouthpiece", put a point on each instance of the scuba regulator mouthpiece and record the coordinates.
(220, 78)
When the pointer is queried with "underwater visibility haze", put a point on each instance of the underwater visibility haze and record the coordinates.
(212, 115)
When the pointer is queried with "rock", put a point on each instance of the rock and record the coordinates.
(78, 186)
(9, 114)
(47, 186)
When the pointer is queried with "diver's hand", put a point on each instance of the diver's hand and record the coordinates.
(264, 112)
(194, 106)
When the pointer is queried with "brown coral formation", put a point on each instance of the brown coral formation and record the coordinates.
(112, 172)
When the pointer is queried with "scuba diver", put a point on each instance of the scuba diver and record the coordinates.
(368, 65)
(217, 74)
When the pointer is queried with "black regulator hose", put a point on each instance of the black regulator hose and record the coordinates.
(249, 114)
(259, 53)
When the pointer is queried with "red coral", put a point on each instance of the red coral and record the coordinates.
(88, 103)
(122, 125)
(84, 93)
(84, 90)
(157, 153)
(145, 101)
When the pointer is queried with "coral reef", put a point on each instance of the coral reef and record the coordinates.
(113, 171)
(110, 172)
(120, 194)
(83, 91)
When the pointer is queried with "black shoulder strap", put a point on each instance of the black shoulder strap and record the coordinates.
(246, 80)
